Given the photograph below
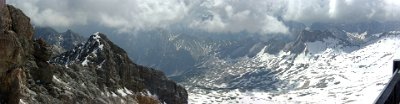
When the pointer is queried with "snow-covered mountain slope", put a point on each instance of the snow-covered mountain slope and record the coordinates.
(362, 29)
(170, 52)
(328, 70)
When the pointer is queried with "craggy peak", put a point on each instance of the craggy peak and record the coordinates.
(200, 51)
(94, 71)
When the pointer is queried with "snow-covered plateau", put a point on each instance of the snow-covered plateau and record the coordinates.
(327, 71)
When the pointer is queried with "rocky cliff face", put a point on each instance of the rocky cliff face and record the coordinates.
(95, 72)
(17, 54)
(104, 65)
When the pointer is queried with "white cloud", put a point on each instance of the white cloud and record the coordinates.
(257, 16)
(237, 16)
(341, 10)
(272, 25)
(214, 25)
(54, 15)
(124, 15)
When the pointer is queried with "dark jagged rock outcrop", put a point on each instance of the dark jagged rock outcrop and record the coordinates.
(111, 68)
(15, 55)
(97, 72)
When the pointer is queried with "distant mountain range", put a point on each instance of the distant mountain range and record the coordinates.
(59, 42)
(308, 66)
(322, 62)
(72, 69)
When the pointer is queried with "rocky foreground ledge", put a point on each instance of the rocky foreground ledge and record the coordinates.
(95, 72)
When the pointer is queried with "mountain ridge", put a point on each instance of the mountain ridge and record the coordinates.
(27, 76)
(59, 42)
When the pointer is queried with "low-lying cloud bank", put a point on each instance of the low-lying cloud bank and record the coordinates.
(256, 16)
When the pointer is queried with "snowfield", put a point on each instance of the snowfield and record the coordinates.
(327, 71)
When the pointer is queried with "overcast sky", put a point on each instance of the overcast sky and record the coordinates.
(258, 16)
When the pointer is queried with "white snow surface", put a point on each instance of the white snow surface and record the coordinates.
(97, 37)
(124, 92)
(22, 101)
(85, 62)
(326, 73)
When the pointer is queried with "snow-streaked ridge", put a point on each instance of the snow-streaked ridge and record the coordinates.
(83, 52)
(326, 72)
